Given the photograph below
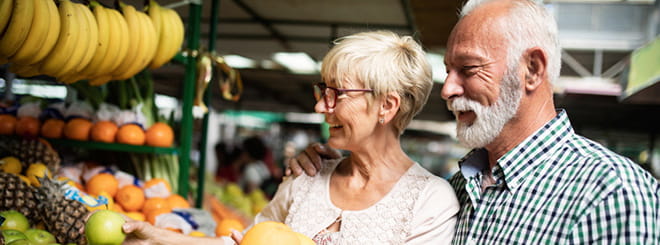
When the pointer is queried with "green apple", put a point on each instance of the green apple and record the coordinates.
(14, 220)
(12, 235)
(104, 227)
(39, 237)
(21, 242)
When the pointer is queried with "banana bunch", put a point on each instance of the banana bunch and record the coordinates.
(76, 42)
(29, 30)
(170, 31)
(113, 45)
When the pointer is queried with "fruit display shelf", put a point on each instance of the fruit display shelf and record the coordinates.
(114, 146)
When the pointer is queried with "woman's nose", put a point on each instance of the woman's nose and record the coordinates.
(320, 106)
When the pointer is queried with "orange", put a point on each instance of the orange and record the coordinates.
(152, 214)
(7, 124)
(102, 182)
(160, 134)
(28, 126)
(130, 134)
(177, 201)
(154, 203)
(52, 128)
(78, 129)
(226, 225)
(117, 208)
(304, 240)
(104, 131)
(136, 216)
(130, 197)
(270, 233)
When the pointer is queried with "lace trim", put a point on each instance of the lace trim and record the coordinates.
(387, 221)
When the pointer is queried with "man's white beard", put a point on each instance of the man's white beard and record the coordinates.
(490, 120)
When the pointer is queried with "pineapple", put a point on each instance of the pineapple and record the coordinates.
(17, 195)
(64, 218)
(31, 150)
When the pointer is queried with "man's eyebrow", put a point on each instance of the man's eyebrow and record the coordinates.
(465, 58)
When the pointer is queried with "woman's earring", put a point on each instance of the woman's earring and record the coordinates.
(381, 120)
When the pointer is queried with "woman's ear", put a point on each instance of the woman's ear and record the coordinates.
(390, 106)
(536, 64)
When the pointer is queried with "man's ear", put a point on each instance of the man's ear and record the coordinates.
(390, 106)
(536, 64)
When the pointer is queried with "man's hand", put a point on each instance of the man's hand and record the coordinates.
(310, 159)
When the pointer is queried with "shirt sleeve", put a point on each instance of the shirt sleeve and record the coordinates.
(278, 208)
(621, 217)
(435, 215)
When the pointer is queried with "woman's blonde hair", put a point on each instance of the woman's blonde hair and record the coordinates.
(385, 62)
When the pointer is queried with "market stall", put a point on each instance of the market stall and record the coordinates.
(105, 146)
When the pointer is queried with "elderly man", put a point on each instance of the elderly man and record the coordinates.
(530, 179)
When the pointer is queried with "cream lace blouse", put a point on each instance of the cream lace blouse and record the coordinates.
(420, 209)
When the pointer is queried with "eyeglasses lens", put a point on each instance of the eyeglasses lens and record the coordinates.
(318, 92)
(321, 91)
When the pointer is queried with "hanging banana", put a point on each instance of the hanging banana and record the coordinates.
(232, 85)
(204, 75)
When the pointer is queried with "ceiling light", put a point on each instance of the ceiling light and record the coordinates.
(21, 86)
(238, 62)
(437, 62)
(298, 62)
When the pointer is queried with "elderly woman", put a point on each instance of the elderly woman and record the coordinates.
(374, 84)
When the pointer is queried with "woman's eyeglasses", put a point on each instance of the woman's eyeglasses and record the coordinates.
(330, 94)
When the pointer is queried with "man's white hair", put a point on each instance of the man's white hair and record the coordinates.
(527, 24)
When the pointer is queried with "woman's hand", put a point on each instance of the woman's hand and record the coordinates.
(310, 159)
(237, 236)
(140, 232)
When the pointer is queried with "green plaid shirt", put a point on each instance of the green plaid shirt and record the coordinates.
(557, 187)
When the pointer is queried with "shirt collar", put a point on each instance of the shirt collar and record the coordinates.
(520, 161)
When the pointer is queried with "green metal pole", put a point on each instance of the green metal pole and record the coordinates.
(201, 174)
(188, 94)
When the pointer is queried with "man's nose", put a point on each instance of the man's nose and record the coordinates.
(453, 87)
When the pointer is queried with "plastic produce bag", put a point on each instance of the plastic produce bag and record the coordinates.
(130, 116)
(30, 109)
(107, 112)
(127, 179)
(79, 109)
(54, 110)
